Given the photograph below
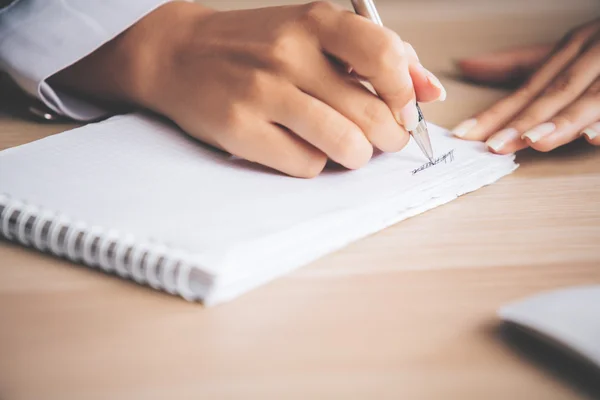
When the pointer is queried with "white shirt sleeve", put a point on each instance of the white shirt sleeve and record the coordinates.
(38, 38)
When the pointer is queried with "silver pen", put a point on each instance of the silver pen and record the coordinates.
(367, 9)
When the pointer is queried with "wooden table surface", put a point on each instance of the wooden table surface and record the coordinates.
(407, 313)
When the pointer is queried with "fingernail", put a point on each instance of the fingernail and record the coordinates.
(592, 131)
(433, 80)
(502, 138)
(409, 116)
(462, 129)
(539, 132)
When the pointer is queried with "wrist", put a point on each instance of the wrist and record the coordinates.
(154, 44)
(128, 69)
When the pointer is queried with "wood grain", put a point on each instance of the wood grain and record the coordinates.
(409, 312)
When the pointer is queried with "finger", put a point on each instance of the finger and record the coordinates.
(504, 66)
(375, 52)
(323, 127)
(427, 86)
(355, 102)
(592, 133)
(273, 146)
(568, 124)
(490, 121)
(565, 89)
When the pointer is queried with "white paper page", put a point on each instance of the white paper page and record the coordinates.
(118, 173)
(138, 177)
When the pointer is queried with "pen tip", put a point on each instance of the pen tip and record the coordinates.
(421, 136)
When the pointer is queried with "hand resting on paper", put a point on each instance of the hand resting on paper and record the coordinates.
(559, 102)
(269, 85)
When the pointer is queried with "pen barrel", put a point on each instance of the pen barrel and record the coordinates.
(367, 9)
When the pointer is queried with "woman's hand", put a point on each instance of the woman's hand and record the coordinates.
(269, 85)
(557, 104)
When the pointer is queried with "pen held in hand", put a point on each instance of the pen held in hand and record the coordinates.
(367, 9)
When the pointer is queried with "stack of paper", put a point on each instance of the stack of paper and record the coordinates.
(135, 196)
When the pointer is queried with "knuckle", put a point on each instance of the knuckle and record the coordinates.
(401, 95)
(283, 49)
(233, 125)
(564, 120)
(313, 165)
(389, 50)
(381, 128)
(350, 150)
(257, 86)
(376, 114)
(316, 11)
(233, 117)
(342, 143)
(565, 86)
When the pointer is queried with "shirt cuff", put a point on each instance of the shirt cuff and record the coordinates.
(39, 38)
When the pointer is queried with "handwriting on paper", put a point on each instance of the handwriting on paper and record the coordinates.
(446, 158)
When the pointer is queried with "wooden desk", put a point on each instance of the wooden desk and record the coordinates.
(407, 313)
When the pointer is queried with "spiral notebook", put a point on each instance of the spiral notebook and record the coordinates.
(135, 197)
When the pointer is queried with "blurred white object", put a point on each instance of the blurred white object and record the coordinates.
(568, 317)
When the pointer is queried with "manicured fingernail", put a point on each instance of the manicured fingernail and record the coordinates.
(592, 132)
(539, 132)
(434, 81)
(462, 129)
(502, 138)
(409, 116)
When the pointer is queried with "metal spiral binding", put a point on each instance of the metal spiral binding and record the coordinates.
(51, 233)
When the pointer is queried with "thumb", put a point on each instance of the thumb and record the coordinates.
(509, 66)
